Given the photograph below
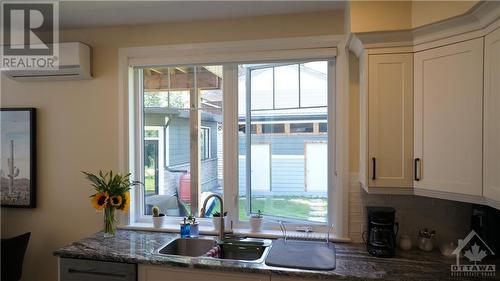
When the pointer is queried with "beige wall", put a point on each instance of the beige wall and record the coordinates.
(425, 12)
(77, 123)
(367, 16)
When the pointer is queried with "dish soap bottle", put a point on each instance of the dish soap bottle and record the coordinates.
(194, 229)
(185, 229)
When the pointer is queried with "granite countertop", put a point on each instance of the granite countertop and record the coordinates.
(353, 261)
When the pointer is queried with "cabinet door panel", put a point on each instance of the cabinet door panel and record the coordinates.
(492, 116)
(162, 273)
(82, 270)
(291, 279)
(448, 117)
(390, 130)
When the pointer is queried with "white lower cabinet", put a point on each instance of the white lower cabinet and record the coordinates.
(83, 270)
(289, 279)
(164, 273)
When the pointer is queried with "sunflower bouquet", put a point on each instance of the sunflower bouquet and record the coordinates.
(112, 193)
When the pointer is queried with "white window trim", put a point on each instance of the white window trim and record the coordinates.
(314, 47)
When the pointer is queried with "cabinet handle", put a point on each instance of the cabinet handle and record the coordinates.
(417, 169)
(96, 273)
(374, 167)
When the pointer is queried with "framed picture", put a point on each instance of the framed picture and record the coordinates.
(18, 157)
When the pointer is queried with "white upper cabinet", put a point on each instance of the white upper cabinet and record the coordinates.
(448, 108)
(491, 182)
(390, 120)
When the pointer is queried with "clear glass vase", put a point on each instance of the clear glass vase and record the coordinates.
(109, 222)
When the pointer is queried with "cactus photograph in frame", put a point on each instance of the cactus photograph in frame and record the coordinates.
(18, 157)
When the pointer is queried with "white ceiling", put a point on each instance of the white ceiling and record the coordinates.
(79, 14)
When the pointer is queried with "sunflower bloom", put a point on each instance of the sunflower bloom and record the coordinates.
(125, 202)
(115, 201)
(100, 200)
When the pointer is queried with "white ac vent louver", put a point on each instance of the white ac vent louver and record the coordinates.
(75, 64)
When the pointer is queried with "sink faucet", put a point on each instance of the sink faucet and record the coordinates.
(221, 230)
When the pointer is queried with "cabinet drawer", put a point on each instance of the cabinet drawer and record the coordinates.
(82, 270)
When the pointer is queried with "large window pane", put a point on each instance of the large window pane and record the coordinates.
(283, 163)
(286, 86)
(262, 88)
(211, 105)
(168, 122)
(313, 84)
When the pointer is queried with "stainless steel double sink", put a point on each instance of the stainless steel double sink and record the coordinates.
(235, 249)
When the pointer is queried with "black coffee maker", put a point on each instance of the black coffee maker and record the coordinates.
(382, 230)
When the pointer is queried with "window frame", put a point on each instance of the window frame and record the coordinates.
(302, 48)
(273, 222)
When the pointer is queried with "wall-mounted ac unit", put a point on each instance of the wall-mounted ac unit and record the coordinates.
(75, 63)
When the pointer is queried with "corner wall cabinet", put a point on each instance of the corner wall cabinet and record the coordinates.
(448, 118)
(430, 108)
(491, 180)
(387, 109)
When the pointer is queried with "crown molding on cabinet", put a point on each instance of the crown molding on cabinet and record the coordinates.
(477, 22)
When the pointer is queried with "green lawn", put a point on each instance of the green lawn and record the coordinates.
(150, 184)
(296, 207)
(284, 206)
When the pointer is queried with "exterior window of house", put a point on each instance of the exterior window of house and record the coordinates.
(273, 128)
(176, 101)
(241, 128)
(284, 175)
(301, 128)
(153, 136)
(323, 127)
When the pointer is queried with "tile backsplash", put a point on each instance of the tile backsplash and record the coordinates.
(450, 219)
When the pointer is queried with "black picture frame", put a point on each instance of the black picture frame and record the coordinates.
(27, 134)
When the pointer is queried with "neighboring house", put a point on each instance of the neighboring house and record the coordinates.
(171, 147)
(289, 130)
(280, 152)
(167, 134)
(289, 140)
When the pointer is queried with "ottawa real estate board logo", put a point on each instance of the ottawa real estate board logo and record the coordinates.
(474, 249)
(29, 35)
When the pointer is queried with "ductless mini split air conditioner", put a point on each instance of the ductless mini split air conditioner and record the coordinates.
(75, 63)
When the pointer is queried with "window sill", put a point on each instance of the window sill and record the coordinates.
(208, 230)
